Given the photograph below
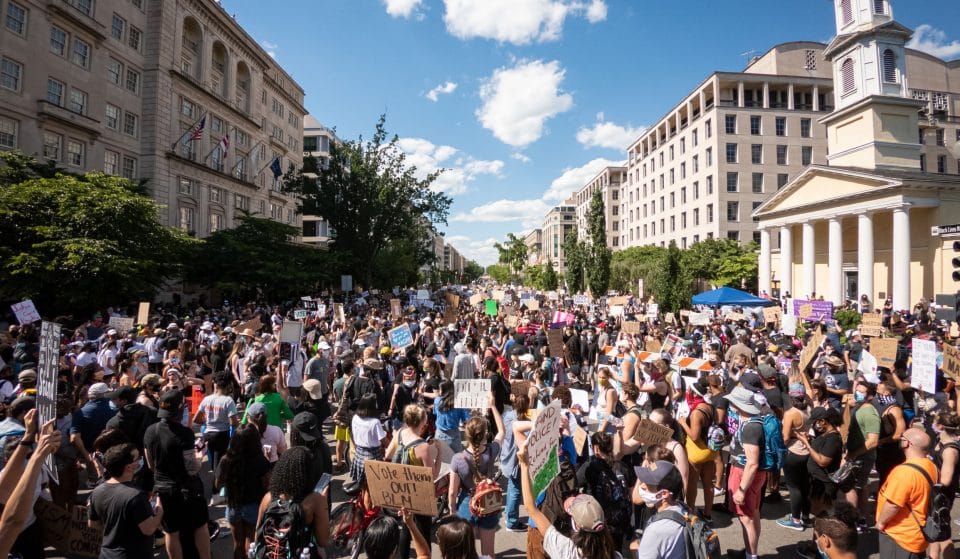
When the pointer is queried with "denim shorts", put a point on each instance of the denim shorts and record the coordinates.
(246, 513)
(491, 522)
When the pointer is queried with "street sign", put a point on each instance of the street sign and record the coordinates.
(940, 230)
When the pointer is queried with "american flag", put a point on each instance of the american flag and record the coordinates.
(197, 131)
(225, 143)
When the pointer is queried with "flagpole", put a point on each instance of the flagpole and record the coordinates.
(215, 146)
(267, 165)
(247, 157)
(189, 131)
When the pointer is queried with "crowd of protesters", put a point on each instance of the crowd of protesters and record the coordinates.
(159, 425)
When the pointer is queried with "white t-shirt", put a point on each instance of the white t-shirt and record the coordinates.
(108, 359)
(558, 546)
(367, 431)
(84, 358)
(663, 539)
(274, 438)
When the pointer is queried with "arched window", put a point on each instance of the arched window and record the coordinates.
(846, 11)
(218, 69)
(889, 66)
(878, 7)
(846, 76)
(192, 46)
(242, 89)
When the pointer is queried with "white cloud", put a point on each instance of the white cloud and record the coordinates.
(459, 171)
(518, 101)
(517, 21)
(519, 156)
(933, 41)
(608, 135)
(529, 213)
(271, 48)
(402, 8)
(444, 88)
(574, 178)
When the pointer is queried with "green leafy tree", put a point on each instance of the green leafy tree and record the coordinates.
(371, 197)
(513, 253)
(719, 262)
(633, 264)
(550, 279)
(472, 271)
(669, 292)
(533, 276)
(76, 243)
(500, 273)
(574, 252)
(598, 254)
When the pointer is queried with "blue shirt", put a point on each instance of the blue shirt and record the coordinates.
(450, 419)
(91, 420)
(508, 450)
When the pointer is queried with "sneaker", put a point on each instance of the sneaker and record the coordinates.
(807, 522)
(718, 491)
(789, 523)
(519, 527)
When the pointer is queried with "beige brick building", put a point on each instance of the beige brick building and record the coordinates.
(118, 85)
(317, 140)
(558, 222)
(608, 182)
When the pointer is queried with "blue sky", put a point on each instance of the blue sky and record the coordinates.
(525, 100)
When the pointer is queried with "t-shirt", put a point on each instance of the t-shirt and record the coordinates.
(828, 444)
(90, 420)
(558, 546)
(663, 539)
(273, 437)
(751, 432)
(907, 488)
(836, 381)
(166, 442)
(120, 508)
(449, 419)
(218, 409)
(463, 464)
(367, 431)
(866, 422)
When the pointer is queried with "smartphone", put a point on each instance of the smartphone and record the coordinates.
(323, 483)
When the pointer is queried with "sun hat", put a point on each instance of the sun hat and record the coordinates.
(834, 361)
(744, 400)
(313, 388)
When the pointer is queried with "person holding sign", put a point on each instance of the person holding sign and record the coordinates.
(449, 418)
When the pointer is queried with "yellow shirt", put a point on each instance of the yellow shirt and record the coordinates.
(907, 488)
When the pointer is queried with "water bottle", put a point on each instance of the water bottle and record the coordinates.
(305, 553)
(252, 550)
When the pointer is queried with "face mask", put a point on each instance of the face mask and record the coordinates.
(859, 397)
(139, 465)
(651, 499)
(175, 360)
(885, 400)
(822, 553)
(409, 383)
(142, 360)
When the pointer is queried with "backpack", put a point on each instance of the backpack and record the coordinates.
(774, 450)
(610, 490)
(701, 541)
(404, 453)
(283, 532)
(487, 498)
(937, 525)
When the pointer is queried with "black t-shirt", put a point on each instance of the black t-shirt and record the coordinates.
(120, 508)
(751, 432)
(501, 391)
(166, 441)
(828, 444)
(251, 484)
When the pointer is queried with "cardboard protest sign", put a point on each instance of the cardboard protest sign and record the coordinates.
(670, 318)
(772, 314)
(121, 324)
(543, 447)
(735, 316)
(396, 310)
(476, 299)
(699, 318)
(631, 327)
(805, 311)
(810, 350)
(923, 375)
(498, 295)
(67, 530)
(555, 342)
(47, 366)
(532, 304)
(511, 321)
(552, 295)
(885, 350)
(616, 310)
(25, 311)
(650, 433)
(291, 331)
(143, 313)
(954, 330)
(788, 324)
(617, 301)
(579, 439)
(453, 300)
(253, 324)
(508, 310)
(400, 337)
(951, 361)
(490, 307)
(653, 346)
(471, 394)
(338, 313)
(870, 325)
(300, 314)
(399, 485)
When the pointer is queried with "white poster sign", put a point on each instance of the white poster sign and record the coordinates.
(471, 394)
(346, 283)
(788, 324)
(47, 366)
(26, 312)
(699, 318)
(923, 377)
(543, 446)
(292, 331)
(580, 398)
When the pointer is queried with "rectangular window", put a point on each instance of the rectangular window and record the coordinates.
(696, 190)
(133, 80)
(186, 186)
(940, 133)
(216, 195)
(83, 6)
(10, 73)
(683, 195)
(187, 107)
(696, 164)
(941, 164)
(733, 178)
(709, 185)
(672, 176)
(733, 211)
(756, 154)
(8, 132)
(55, 92)
(187, 219)
(81, 53)
(696, 217)
(673, 200)
(782, 180)
(673, 224)
(78, 102)
(693, 138)
(130, 124)
(709, 157)
(129, 167)
(16, 18)
(805, 127)
(781, 125)
(111, 162)
(75, 149)
(923, 163)
(733, 235)
(135, 38)
(216, 124)
(114, 71)
(731, 153)
(117, 25)
(708, 129)
(781, 155)
(216, 222)
(58, 41)
(671, 153)
(806, 155)
(755, 125)
(756, 182)
(52, 144)
(683, 171)
(709, 213)
(730, 124)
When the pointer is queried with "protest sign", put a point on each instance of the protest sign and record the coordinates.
(508, 310)
(143, 313)
(699, 318)
(25, 311)
(253, 324)
(346, 283)
(511, 321)
(400, 337)
(954, 330)
(67, 530)
(292, 331)
(396, 310)
(508, 297)
(870, 325)
(423, 294)
(772, 314)
(579, 439)
(532, 304)
(812, 309)
(47, 366)
(923, 375)
(476, 299)
(615, 301)
(497, 295)
(868, 364)
(885, 350)
(321, 309)
(951, 361)
(616, 310)
(653, 310)
(650, 433)
(399, 485)
(788, 324)
(631, 327)
(490, 307)
(810, 350)
(684, 313)
(338, 313)
(121, 324)
(552, 295)
(542, 447)
(670, 318)
(735, 316)
(805, 311)
(471, 394)
(653, 346)
(555, 342)
(453, 300)
(300, 314)
(581, 300)
(580, 398)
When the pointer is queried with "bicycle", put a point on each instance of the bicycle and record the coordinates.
(349, 521)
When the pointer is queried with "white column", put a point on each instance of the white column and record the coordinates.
(901, 258)
(835, 261)
(763, 267)
(809, 261)
(766, 95)
(790, 97)
(816, 98)
(786, 260)
(865, 257)
(739, 94)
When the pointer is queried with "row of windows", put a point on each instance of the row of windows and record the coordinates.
(756, 125)
(125, 77)
(732, 215)
(756, 154)
(75, 155)
(125, 33)
(187, 217)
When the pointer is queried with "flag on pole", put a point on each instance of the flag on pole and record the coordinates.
(197, 132)
(275, 168)
(224, 144)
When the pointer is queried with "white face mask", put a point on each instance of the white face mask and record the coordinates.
(652, 499)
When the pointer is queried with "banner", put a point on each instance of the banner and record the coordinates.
(67, 531)
(813, 309)
(26, 312)
(47, 367)
(400, 337)
(885, 350)
(401, 486)
(542, 447)
(923, 375)
(471, 394)
(555, 342)
(292, 331)
(871, 325)
(143, 313)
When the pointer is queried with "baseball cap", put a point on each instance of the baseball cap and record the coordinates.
(170, 404)
(307, 425)
(99, 390)
(27, 375)
(586, 512)
(127, 394)
(662, 475)
(257, 409)
(766, 371)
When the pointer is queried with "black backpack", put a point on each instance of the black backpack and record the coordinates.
(283, 532)
(611, 490)
(937, 526)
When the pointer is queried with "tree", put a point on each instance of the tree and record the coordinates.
(513, 253)
(472, 271)
(370, 197)
(635, 263)
(550, 279)
(77, 243)
(720, 262)
(573, 253)
(598, 254)
(667, 286)
(500, 273)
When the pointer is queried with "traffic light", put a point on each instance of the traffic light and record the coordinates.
(956, 261)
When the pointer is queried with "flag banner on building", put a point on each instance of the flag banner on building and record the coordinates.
(195, 132)
(275, 168)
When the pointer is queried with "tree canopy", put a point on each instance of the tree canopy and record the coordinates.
(574, 252)
(513, 253)
(598, 255)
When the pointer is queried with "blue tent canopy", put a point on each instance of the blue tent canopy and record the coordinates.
(730, 296)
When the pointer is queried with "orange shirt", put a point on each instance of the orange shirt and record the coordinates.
(907, 488)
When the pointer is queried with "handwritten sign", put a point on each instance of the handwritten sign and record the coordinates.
(653, 310)
(400, 337)
(699, 318)
(476, 299)
(338, 313)
(631, 327)
(555, 342)
(396, 310)
(543, 447)
(511, 321)
(26, 312)
(684, 313)
(300, 314)
(581, 300)
(617, 301)
(580, 398)
(67, 531)
(401, 486)
(735, 316)
(653, 346)
(423, 294)
(871, 324)
(954, 330)
(143, 313)
(923, 375)
(772, 314)
(498, 295)
(253, 324)
(453, 300)
(470, 394)
(812, 309)
(650, 433)
(885, 350)
(508, 310)
(121, 324)
(291, 331)
(810, 350)
(788, 324)
(805, 311)
(532, 304)
(670, 318)
(47, 367)
(951, 361)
